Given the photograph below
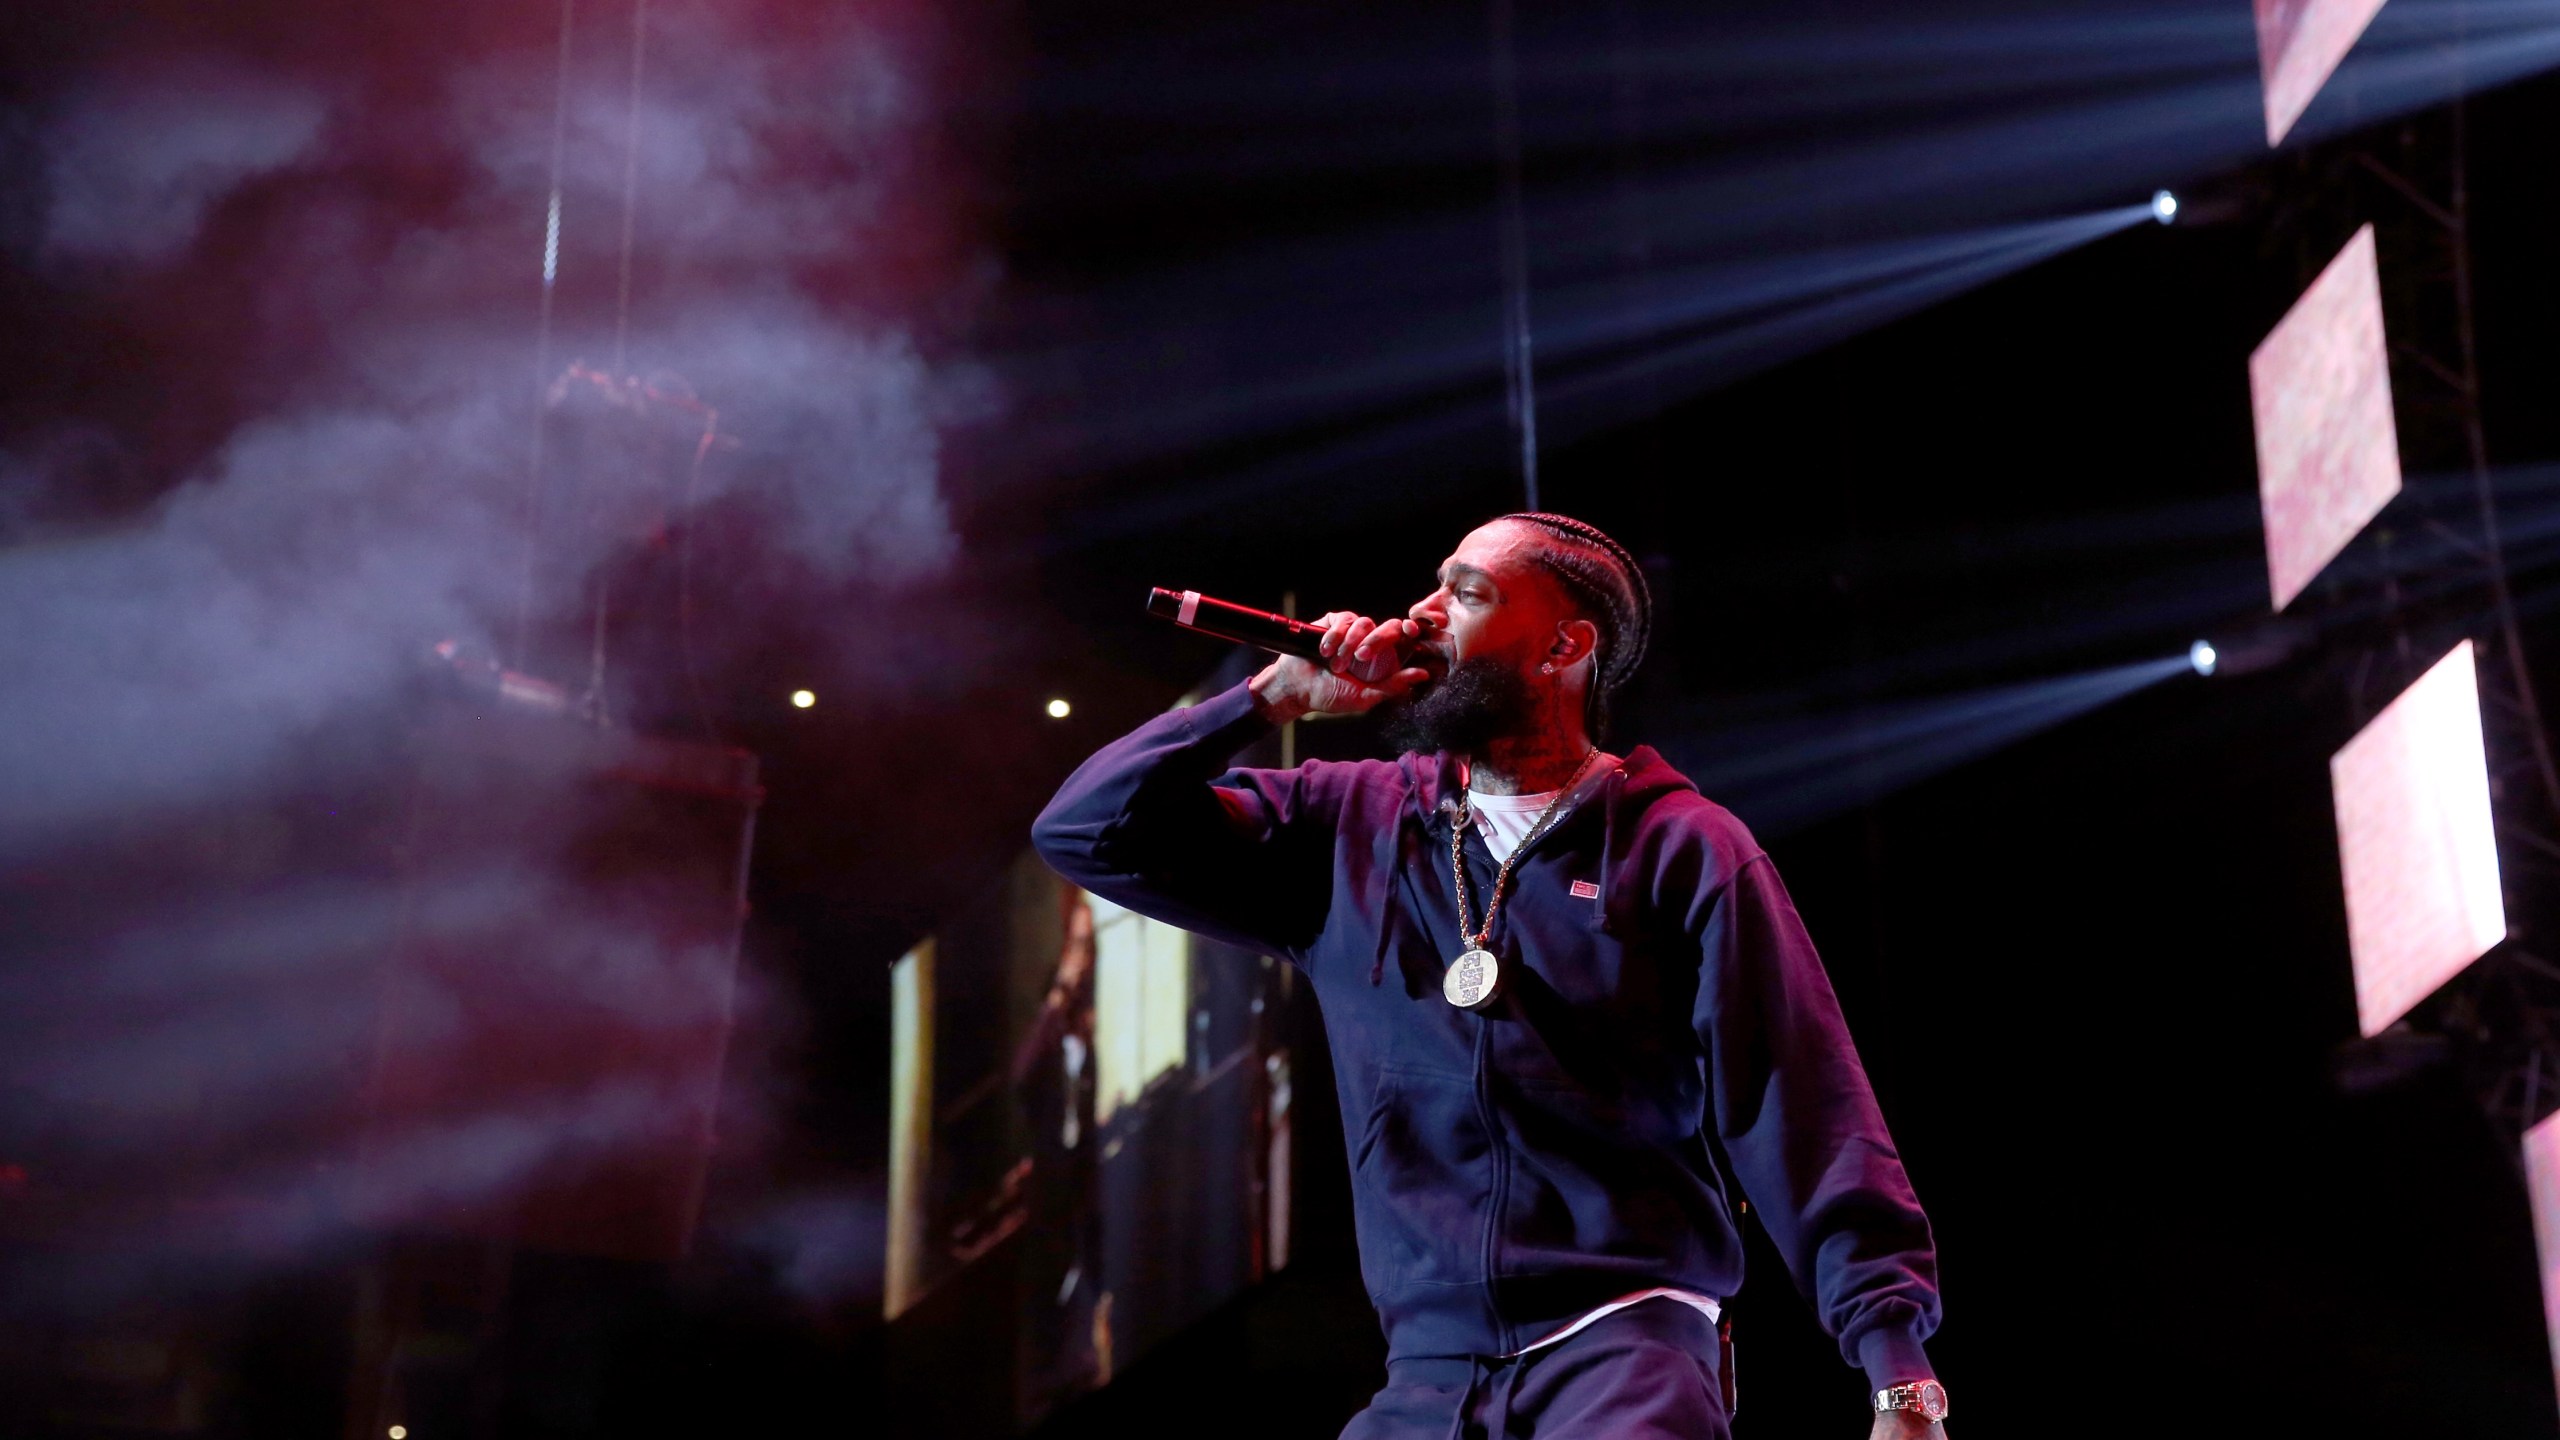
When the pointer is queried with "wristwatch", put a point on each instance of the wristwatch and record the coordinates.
(1925, 1398)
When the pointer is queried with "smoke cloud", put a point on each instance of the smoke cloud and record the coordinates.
(381, 504)
(206, 652)
(134, 163)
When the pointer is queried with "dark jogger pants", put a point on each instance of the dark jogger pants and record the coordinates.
(1647, 1372)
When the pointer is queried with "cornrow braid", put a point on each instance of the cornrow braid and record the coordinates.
(1607, 581)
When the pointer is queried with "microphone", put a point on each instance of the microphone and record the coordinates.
(1277, 633)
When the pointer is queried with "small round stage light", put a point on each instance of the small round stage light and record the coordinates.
(1060, 709)
(803, 699)
(398, 1432)
(2164, 206)
(2203, 657)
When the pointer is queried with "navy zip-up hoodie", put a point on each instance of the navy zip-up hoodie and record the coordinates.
(1517, 1166)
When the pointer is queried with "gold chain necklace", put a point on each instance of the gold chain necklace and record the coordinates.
(1472, 978)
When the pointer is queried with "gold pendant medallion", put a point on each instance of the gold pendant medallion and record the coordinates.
(1471, 980)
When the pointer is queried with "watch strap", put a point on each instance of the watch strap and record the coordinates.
(1926, 1398)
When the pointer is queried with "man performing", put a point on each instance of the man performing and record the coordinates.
(1568, 999)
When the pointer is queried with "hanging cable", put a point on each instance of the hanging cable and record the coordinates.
(521, 644)
(684, 577)
(630, 182)
(517, 657)
(1519, 373)
(595, 705)
(2484, 489)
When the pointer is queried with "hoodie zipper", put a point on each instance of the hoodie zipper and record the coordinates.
(1495, 1143)
(1496, 1146)
(1488, 1244)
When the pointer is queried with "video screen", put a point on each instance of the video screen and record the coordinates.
(2415, 842)
(2328, 450)
(2300, 43)
(2542, 1188)
(1089, 1138)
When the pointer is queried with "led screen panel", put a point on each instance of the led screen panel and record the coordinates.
(2414, 840)
(2320, 389)
(2300, 42)
(1090, 1141)
(2542, 1187)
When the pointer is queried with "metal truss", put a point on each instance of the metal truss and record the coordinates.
(2434, 569)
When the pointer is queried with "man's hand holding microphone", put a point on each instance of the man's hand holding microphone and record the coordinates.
(1363, 665)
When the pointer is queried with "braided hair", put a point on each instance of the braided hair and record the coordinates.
(1609, 587)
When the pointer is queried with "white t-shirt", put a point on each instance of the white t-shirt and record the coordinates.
(1504, 820)
(1704, 1304)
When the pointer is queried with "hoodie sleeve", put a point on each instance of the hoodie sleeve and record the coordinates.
(1158, 823)
(1793, 1109)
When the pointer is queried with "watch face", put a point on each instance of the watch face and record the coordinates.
(1933, 1400)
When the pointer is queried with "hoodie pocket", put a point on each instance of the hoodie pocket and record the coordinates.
(1422, 1177)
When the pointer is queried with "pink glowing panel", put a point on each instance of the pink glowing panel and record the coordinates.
(2299, 43)
(2328, 454)
(2542, 1187)
(2414, 839)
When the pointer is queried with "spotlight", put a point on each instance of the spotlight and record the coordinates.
(2164, 206)
(398, 1432)
(1060, 709)
(803, 699)
(2247, 650)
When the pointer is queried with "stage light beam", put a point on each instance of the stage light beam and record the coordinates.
(1782, 775)
(2164, 206)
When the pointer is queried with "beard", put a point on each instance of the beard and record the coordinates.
(1481, 701)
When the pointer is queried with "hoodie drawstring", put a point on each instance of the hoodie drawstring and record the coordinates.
(1394, 848)
(1497, 1423)
(1466, 1399)
(1391, 881)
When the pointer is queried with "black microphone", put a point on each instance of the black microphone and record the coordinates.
(1277, 633)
